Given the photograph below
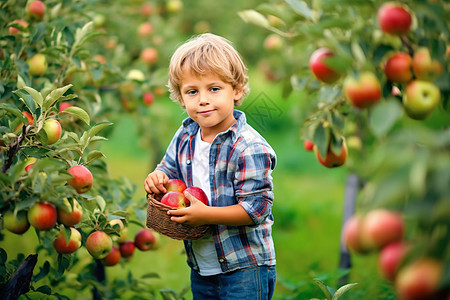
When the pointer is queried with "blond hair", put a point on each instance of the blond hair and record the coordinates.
(208, 53)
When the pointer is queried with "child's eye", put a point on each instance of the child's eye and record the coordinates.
(191, 92)
(214, 89)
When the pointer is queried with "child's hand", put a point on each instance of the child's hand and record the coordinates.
(193, 215)
(154, 183)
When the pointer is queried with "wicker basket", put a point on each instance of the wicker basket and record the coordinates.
(158, 220)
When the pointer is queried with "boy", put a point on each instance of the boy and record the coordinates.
(216, 149)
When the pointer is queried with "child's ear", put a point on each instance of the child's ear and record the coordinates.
(238, 92)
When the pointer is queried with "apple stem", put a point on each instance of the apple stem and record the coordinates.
(407, 44)
(14, 148)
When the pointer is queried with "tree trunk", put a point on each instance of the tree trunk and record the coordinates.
(19, 283)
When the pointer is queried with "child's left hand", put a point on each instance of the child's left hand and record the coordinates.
(194, 215)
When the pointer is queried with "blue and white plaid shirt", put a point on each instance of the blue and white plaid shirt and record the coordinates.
(241, 162)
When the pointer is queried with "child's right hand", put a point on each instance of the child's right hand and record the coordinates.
(155, 181)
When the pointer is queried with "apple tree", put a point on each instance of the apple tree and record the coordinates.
(376, 78)
(55, 113)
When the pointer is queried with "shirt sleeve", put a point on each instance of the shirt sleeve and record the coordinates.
(253, 181)
(169, 164)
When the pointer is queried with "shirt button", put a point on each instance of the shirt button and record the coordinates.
(188, 162)
(221, 260)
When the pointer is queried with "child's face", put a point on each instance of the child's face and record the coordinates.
(209, 101)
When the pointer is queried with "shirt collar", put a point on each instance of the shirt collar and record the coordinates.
(192, 127)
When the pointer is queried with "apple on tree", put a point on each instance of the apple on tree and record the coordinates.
(30, 120)
(381, 227)
(308, 145)
(148, 98)
(36, 9)
(29, 162)
(122, 230)
(14, 30)
(126, 249)
(174, 199)
(331, 159)
(197, 193)
(16, 223)
(175, 185)
(53, 130)
(37, 64)
(420, 99)
(42, 216)
(149, 55)
(351, 235)
(74, 243)
(113, 258)
(394, 19)
(424, 67)
(398, 68)
(391, 257)
(82, 179)
(419, 279)
(99, 244)
(70, 215)
(320, 69)
(145, 239)
(363, 91)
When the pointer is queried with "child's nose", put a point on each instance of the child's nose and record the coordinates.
(203, 99)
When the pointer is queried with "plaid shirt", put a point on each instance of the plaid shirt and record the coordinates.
(241, 162)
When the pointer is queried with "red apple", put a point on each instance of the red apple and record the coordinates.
(390, 258)
(37, 64)
(53, 130)
(308, 145)
(36, 9)
(149, 55)
(424, 66)
(42, 216)
(351, 236)
(70, 215)
(64, 105)
(420, 99)
(113, 258)
(82, 179)
(398, 68)
(394, 19)
(318, 66)
(146, 9)
(29, 162)
(99, 244)
(148, 98)
(331, 159)
(60, 244)
(145, 239)
(126, 249)
(145, 29)
(381, 227)
(198, 193)
(122, 230)
(175, 185)
(14, 30)
(174, 199)
(364, 91)
(29, 118)
(16, 223)
(419, 280)
(273, 42)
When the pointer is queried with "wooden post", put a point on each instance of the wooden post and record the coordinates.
(352, 186)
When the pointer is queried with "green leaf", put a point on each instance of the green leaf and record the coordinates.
(43, 272)
(321, 139)
(100, 202)
(97, 128)
(94, 155)
(253, 17)
(323, 287)
(343, 289)
(37, 97)
(383, 116)
(78, 112)
(54, 96)
(301, 8)
(12, 109)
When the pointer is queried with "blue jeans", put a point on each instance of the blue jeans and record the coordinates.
(249, 283)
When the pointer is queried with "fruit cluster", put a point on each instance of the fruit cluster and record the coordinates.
(176, 191)
(382, 230)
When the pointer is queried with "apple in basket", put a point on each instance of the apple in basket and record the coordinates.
(198, 193)
(174, 199)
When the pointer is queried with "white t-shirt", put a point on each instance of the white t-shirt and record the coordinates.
(204, 249)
